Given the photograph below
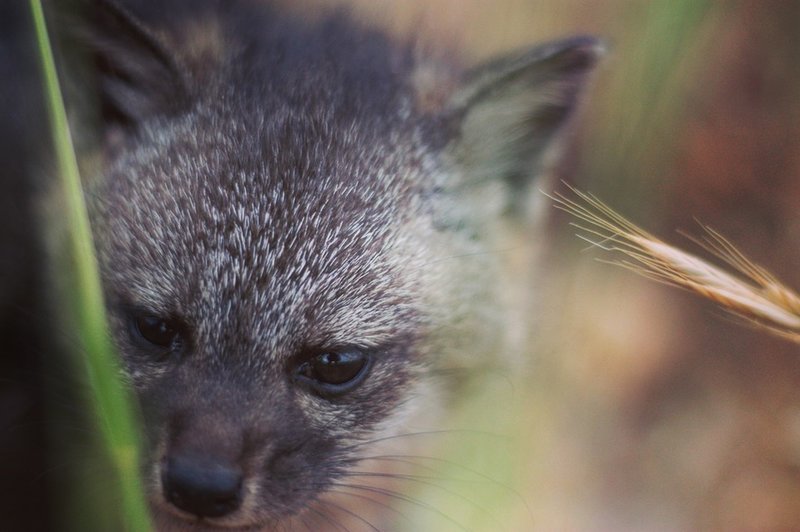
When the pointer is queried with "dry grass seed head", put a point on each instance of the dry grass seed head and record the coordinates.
(751, 293)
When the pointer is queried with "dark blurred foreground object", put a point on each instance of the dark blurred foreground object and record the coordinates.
(24, 494)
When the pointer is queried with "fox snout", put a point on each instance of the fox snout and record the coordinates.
(205, 463)
(202, 485)
(233, 459)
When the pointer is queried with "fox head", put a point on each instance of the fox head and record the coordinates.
(278, 224)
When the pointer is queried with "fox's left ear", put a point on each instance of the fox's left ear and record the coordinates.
(509, 110)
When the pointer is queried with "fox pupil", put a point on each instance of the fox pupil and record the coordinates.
(156, 331)
(337, 368)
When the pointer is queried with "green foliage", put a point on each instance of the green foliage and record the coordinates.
(115, 413)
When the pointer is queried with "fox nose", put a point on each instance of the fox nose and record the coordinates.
(201, 486)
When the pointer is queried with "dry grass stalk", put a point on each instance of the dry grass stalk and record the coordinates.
(751, 292)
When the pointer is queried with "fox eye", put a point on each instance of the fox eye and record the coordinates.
(159, 332)
(334, 372)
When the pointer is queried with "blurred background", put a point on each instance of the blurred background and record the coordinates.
(642, 407)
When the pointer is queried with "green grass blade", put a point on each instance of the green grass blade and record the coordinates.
(113, 405)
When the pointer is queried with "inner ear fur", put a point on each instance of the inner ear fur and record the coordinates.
(509, 110)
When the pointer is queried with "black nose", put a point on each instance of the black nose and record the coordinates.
(201, 486)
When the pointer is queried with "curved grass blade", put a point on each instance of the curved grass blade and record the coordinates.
(113, 406)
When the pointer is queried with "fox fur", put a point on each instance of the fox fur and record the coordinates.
(274, 189)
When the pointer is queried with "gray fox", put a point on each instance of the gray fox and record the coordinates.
(294, 223)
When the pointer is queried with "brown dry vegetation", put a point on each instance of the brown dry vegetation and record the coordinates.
(697, 419)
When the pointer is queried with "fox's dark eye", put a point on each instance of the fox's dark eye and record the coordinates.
(157, 331)
(334, 372)
(336, 368)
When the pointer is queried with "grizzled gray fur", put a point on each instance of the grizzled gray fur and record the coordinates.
(279, 220)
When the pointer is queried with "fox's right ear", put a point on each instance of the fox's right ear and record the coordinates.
(137, 76)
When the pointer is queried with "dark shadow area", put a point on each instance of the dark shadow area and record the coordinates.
(24, 494)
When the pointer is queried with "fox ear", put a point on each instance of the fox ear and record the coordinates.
(509, 110)
(137, 76)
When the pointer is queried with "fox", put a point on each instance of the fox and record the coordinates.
(296, 222)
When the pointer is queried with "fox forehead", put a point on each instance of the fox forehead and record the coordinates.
(260, 231)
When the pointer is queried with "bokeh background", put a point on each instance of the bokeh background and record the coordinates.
(639, 407)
